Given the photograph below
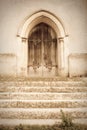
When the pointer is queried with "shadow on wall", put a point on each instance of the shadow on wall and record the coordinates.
(78, 64)
(8, 64)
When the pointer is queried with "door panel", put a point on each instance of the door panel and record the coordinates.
(42, 46)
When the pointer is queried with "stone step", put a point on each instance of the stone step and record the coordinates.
(42, 89)
(41, 113)
(14, 122)
(36, 102)
(44, 83)
(43, 103)
(43, 96)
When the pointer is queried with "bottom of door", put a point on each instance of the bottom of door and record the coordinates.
(42, 72)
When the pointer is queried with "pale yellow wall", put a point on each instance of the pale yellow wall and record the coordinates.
(71, 12)
(78, 65)
(8, 64)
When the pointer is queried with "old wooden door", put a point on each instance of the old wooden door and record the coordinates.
(42, 52)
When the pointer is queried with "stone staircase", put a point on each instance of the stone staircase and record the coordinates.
(40, 102)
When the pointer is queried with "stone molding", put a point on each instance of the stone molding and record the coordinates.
(23, 34)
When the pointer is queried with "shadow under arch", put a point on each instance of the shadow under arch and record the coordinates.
(41, 16)
(23, 32)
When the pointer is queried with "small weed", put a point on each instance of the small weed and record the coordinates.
(67, 123)
(20, 127)
(66, 120)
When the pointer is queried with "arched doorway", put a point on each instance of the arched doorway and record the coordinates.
(54, 34)
(42, 51)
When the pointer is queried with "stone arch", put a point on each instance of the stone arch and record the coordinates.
(42, 16)
(25, 28)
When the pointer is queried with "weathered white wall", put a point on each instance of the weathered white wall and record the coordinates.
(8, 64)
(71, 12)
(78, 65)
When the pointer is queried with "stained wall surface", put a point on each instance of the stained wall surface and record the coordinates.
(72, 13)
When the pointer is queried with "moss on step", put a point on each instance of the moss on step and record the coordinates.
(19, 78)
(37, 127)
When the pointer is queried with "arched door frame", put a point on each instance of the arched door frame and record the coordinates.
(23, 33)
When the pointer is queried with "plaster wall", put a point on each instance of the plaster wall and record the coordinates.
(71, 12)
(8, 64)
(78, 65)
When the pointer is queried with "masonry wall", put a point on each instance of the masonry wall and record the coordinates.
(78, 65)
(8, 64)
(71, 12)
